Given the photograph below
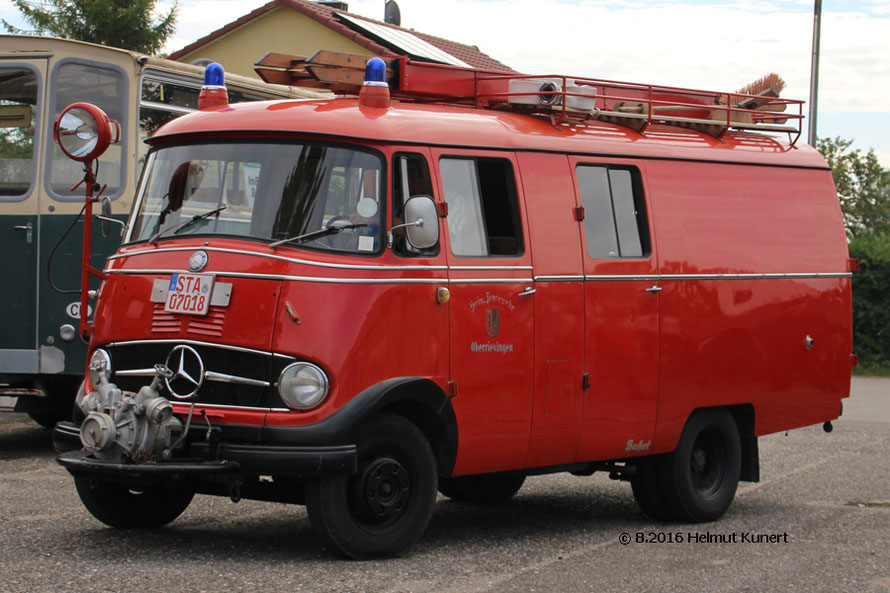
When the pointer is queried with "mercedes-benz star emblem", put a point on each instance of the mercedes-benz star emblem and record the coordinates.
(198, 261)
(188, 372)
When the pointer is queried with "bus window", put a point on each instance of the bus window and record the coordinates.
(163, 99)
(18, 112)
(105, 87)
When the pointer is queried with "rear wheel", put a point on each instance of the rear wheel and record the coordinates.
(647, 490)
(486, 488)
(700, 477)
(118, 506)
(383, 508)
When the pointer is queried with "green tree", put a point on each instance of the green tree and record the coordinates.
(128, 24)
(863, 186)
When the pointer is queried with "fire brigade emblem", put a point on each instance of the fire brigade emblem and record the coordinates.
(493, 322)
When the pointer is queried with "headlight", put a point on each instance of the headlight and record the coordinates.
(303, 385)
(99, 356)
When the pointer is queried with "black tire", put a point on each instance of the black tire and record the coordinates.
(484, 488)
(382, 509)
(700, 477)
(47, 419)
(647, 490)
(118, 506)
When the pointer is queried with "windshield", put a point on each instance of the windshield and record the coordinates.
(264, 191)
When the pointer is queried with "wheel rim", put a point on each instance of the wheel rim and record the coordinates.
(707, 463)
(381, 493)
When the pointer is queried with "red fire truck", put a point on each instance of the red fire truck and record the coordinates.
(449, 279)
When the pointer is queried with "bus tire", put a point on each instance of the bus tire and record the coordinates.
(647, 490)
(46, 419)
(118, 506)
(699, 479)
(484, 488)
(382, 509)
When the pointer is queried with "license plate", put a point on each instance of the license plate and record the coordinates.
(189, 293)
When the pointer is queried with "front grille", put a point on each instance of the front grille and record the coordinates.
(143, 355)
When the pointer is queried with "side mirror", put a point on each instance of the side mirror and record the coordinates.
(107, 220)
(421, 222)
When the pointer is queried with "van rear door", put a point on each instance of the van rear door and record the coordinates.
(559, 308)
(621, 294)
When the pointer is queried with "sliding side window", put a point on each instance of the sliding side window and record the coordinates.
(483, 211)
(614, 211)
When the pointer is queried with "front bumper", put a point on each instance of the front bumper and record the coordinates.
(223, 459)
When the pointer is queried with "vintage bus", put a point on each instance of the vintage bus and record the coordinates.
(450, 279)
(41, 356)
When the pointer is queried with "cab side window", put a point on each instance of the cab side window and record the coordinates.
(483, 211)
(614, 211)
(411, 177)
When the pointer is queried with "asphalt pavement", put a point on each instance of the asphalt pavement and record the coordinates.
(818, 521)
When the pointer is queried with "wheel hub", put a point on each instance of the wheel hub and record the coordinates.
(384, 489)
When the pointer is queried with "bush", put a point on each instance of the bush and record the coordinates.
(871, 301)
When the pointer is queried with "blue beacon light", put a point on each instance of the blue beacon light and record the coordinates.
(375, 73)
(214, 76)
(213, 94)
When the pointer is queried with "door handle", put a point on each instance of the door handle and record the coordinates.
(29, 230)
(527, 291)
(654, 288)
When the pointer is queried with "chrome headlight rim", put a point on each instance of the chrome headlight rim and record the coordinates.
(289, 375)
(97, 355)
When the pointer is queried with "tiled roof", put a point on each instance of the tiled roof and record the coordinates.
(327, 17)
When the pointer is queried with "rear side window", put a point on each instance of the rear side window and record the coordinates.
(483, 211)
(614, 211)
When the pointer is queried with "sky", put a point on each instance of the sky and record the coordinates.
(706, 44)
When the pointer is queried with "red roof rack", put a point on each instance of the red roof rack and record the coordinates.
(565, 99)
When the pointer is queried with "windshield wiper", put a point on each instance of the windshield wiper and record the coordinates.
(318, 234)
(186, 224)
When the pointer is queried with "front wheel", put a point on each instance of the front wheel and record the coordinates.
(699, 479)
(382, 509)
(118, 506)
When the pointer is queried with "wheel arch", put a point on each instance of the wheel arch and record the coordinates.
(743, 416)
(417, 399)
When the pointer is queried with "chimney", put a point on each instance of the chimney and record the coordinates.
(335, 4)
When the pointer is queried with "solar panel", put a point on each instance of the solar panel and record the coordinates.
(404, 42)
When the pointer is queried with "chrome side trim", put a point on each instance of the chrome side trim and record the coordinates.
(659, 278)
(281, 258)
(789, 276)
(489, 280)
(197, 343)
(230, 407)
(328, 280)
(621, 277)
(488, 268)
(559, 278)
(224, 378)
